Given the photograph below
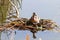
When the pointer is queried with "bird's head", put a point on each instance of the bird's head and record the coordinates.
(35, 18)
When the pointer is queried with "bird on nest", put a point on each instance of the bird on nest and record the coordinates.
(34, 20)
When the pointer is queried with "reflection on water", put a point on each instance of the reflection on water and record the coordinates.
(7, 35)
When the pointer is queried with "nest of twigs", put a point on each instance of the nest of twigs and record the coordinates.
(20, 24)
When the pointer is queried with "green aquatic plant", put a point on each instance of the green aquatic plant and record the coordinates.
(7, 10)
(4, 6)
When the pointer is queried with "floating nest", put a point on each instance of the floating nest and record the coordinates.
(20, 24)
